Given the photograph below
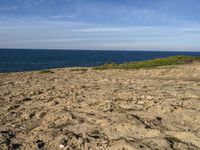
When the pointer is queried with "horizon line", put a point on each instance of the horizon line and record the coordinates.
(62, 49)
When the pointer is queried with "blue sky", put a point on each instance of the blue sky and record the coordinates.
(100, 24)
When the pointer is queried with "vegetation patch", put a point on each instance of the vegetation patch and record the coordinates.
(79, 69)
(173, 60)
(46, 71)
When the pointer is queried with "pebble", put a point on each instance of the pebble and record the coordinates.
(140, 102)
(61, 146)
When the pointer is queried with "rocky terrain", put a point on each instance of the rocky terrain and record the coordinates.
(75, 109)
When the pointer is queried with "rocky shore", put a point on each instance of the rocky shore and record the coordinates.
(86, 109)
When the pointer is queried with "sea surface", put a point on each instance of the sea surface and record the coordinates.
(15, 60)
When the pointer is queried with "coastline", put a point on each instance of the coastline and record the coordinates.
(26, 60)
(101, 109)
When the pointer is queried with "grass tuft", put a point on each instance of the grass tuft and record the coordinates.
(46, 71)
(173, 60)
(79, 69)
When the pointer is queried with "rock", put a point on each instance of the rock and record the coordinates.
(27, 99)
(183, 137)
(122, 145)
(61, 146)
(4, 146)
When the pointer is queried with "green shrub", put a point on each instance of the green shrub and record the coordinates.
(173, 60)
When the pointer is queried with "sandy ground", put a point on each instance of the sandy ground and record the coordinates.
(147, 109)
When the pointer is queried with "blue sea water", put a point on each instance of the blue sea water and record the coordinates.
(14, 60)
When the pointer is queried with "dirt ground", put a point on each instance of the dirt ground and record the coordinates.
(75, 109)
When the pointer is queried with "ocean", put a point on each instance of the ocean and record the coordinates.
(15, 60)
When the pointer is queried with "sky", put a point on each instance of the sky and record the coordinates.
(100, 24)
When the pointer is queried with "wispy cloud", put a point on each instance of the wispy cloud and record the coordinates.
(191, 30)
(139, 12)
(35, 2)
(100, 30)
(55, 40)
(77, 35)
(63, 16)
(8, 8)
